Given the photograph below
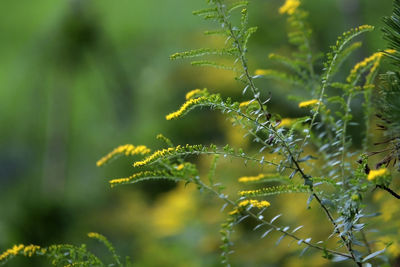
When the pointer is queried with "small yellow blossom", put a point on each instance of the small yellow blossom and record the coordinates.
(184, 107)
(373, 174)
(244, 104)
(263, 72)
(355, 197)
(289, 7)
(11, 251)
(233, 212)
(308, 103)
(255, 203)
(128, 150)
(180, 167)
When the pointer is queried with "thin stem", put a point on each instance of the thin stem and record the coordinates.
(325, 81)
(364, 238)
(389, 190)
(344, 132)
(219, 153)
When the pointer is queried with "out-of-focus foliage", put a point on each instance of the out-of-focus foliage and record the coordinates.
(81, 77)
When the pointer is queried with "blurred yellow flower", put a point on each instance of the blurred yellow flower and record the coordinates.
(308, 103)
(393, 249)
(246, 179)
(171, 212)
(286, 122)
(289, 7)
(373, 174)
(244, 104)
(11, 251)
(263, 72)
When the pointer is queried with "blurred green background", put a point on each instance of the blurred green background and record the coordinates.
(80, 77)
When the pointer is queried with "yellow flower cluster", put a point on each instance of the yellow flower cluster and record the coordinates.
(286, 122)
(11, 251)
(255, 203)
(184, 107)
(27, 250)
(376, 58)
(277, 188)
(289, 7)
(364, 27)
(180, 167)
(263, 72)
(128, 150)
(234, 211)
(249, 192)
(118, 181)
(192, 93)
(308, 103)
(114, 182)
(31, 249)
(156, 155)
(95, 235)
(247, 179)
(244, 104)
(373, 174)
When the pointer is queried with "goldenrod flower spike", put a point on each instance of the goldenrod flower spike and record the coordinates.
(94, 235)
(263, 72)
(246, 179)
(255, 203)
(136, 176)
(289, 7)
(156, 155)
(11, 251)
(128, 150)
(184, 107)
(308, 103)
(30, 250)
(373, 174)
(192, 93)
(376, 58)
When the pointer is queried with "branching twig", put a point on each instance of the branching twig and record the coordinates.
(389, 190)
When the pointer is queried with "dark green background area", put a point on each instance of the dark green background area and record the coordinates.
(78, 78)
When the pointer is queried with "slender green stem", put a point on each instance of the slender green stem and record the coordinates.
(344, 132)
(179, 154)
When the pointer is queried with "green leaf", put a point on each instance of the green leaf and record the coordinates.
(373, 255)
(240, 4)
(203, 52)
(206, 63)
